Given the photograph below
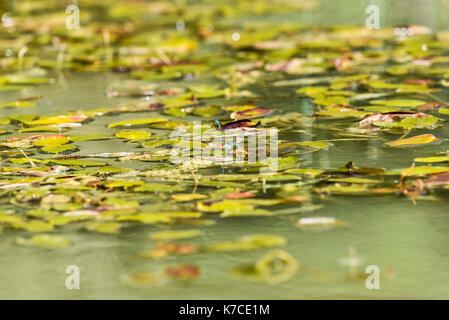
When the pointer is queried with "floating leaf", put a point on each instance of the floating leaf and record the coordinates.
(51, 141)
(240, 195)
(188, 196)
(250, 113)
(444, 111)
(44, 121)
(83, 163)
(33, 226)
(315, 144)
(353, 180)
(398, 102)
(66, 219)
(274, 267)
(206, 111)
(432, 159)
(120, 203)
(124, 184)
(250, 242)
(145, 218)
(89, 137)
(239, 212)
(319, 223)
(164, 248)
(10, 219)
(423, 139)
(310, 172)
(40, 129)
(182, 214)
(184, 272)
(103, 227)
(4, 120)
(157, 188)
(17, 104)
(331, 101)
(229, 205)
(111, 170)
(417, 171)
(146, 278)
(338, 189)
(158, 143)
(341, 111)
(175, 111)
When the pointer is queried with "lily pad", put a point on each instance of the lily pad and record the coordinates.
(250, 242)
(51, 141)
(170, 235)
(45, 241)
(103, 227)
(59, 148)
(135, 135)
(420, 140)
(136, 122)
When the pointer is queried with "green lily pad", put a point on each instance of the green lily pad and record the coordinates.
(89, 137)
(103, 227)
(424, 170)
(432, 159)
(398, 102)
(206, 111)
(124, 184)
(157, 188)
(44, 121)
(45, 241)
(33, 226)
(145, 218)
(59, 148)
(170, 235)
(51, 141)
(444, 111)
(134, 135)
(40, 129)
(181, 197)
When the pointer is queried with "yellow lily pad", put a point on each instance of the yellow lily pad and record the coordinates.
(133, 135)
(432, 159)
(136, 122)
(170, 235)
(51, 141)
(45, 241)
(414, 141)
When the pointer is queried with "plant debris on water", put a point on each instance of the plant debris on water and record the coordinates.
(167, 85)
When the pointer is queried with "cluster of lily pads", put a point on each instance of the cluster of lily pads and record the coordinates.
(362, 84)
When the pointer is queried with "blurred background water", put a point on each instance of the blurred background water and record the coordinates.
(410, 243)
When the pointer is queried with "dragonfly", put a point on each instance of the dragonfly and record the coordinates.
(226, 147)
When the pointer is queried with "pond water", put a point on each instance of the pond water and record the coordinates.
(407, 239)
